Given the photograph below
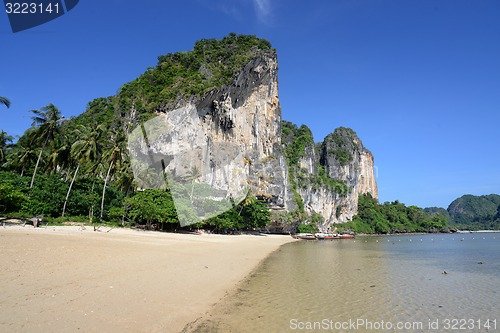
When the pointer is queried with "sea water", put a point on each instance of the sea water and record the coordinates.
(410, 283)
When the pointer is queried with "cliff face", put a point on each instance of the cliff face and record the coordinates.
(232, 137)
(348, 165)
(248, 114)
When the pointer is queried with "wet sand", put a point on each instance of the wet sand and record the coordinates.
(66, 279)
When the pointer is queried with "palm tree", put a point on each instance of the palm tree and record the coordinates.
(85, 150)
(193, 174)
(114, 155)
(247, 201)
(125, 181)
(125, 176)
(25, 157)
(24, 154)
(5, 101)
(60, 156)
(4, 144)
(47, 119)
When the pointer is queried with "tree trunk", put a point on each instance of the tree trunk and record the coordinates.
(123, 216)
(192, 189)
(38, 161)
(69, 189)
(104, 190)
(91, 209)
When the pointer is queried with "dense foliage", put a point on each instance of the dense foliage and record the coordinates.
(143, 207)
(476, 212)
(307, 228)
(211, 64)
(439, 211)
(295, 140)
(340, 144)
(152, 206)
(48, 193)
(392, 217)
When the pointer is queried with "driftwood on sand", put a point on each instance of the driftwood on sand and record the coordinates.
(35, 220)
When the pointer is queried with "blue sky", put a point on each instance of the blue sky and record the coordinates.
(419, 81)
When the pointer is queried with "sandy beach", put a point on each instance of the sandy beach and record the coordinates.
(69, 279)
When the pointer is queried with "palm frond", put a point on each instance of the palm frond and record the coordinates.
(5, 101)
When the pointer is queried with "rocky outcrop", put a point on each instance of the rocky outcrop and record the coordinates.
(346, 162)
(248, 114)
(232, 137)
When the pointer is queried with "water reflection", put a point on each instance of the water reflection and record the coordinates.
(391, 279)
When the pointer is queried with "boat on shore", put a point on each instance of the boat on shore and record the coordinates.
(322, 236)
(305, 235)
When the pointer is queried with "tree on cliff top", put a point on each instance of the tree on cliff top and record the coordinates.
(211, 64)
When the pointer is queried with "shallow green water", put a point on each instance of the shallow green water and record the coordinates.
(370, 284)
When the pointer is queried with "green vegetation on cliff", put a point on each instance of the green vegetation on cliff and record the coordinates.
(295, 140)
(341, 144)
(178, 76)
(211, 64)
(299, 143)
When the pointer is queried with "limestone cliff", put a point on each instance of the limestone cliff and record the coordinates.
(231, 136)
(343, 157)
(222, 95)
(329, 176)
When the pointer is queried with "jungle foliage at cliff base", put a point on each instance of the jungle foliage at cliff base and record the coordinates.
(152, 208)
(392, 217)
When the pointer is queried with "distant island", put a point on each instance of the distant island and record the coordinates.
(471, 212)
(80, 170)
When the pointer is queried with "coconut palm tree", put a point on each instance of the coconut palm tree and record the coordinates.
(59, 158)
(125, 181)
(247, 201)
(4, 144)
(113, 155)
(48, 120)
(5, 101)
(24, 154)
(85, 151)
(24, 157)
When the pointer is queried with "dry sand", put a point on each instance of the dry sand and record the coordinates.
(64, 279)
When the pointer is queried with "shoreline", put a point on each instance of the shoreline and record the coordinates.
(119, 280)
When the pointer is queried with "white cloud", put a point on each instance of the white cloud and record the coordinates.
(238, 8)
(262, 9)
